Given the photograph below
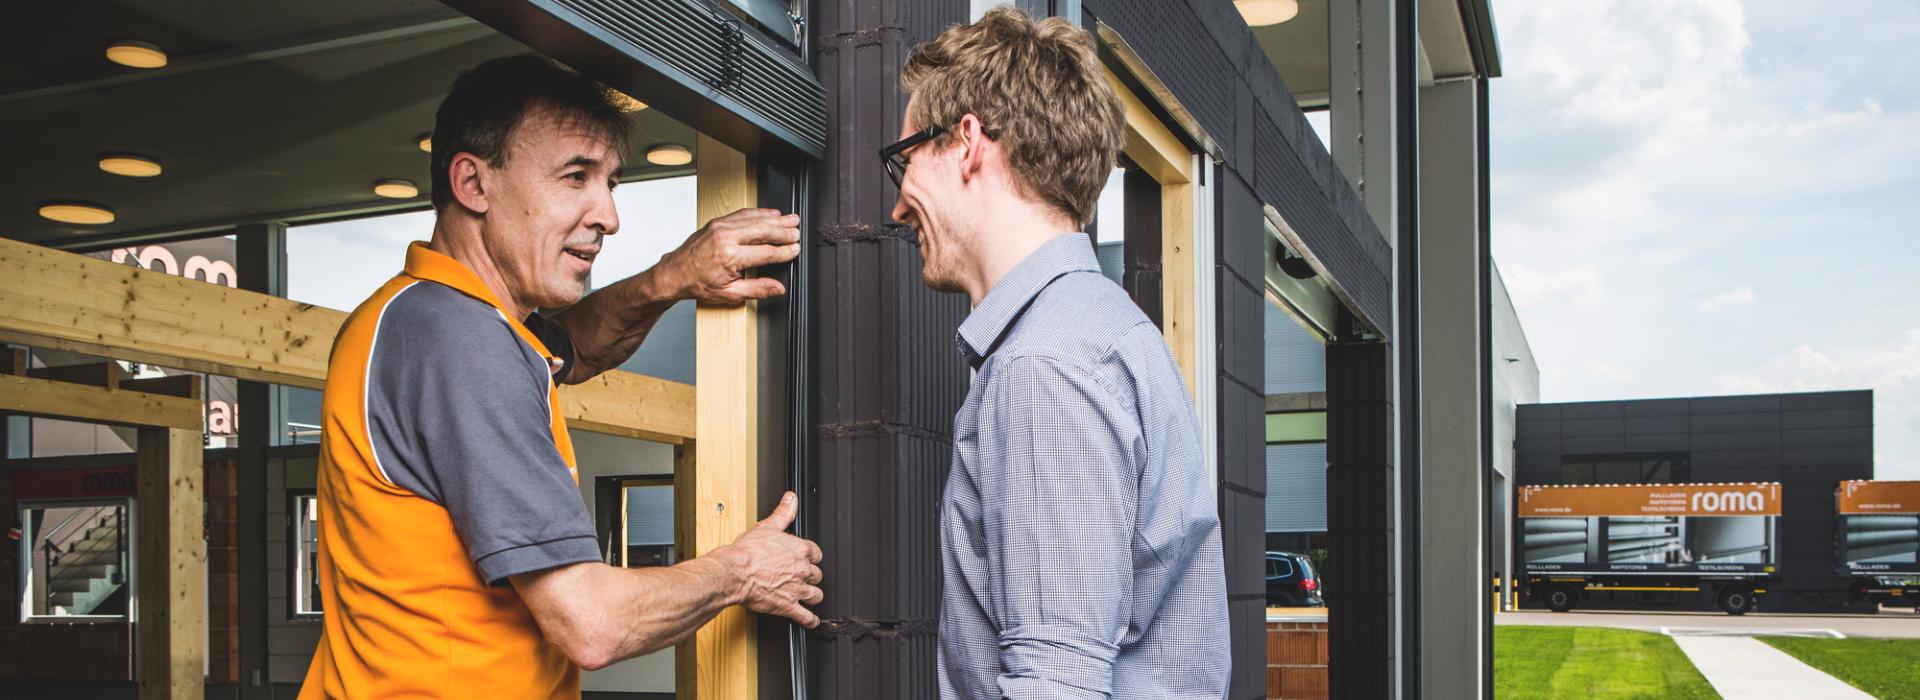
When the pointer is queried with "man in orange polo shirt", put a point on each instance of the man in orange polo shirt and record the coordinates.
(456, 557)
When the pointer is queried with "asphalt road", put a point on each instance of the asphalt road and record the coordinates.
(1890, 623)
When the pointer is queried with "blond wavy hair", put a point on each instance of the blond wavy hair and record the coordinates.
(1038, 90)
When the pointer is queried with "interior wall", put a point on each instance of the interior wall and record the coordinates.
(601, 455)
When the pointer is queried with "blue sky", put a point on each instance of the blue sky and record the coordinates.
(1699, 197)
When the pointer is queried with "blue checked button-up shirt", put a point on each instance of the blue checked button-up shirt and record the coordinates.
(1078, 533)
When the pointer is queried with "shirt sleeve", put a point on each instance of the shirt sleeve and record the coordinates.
(458, 413)
(1059, 493)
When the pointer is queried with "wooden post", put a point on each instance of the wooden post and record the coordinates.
(170, 567)
(1159, 153)
(722, 659)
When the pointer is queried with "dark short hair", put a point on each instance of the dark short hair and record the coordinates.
(488, 102)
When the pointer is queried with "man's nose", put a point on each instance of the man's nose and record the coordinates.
(604, 216)
(901, 212)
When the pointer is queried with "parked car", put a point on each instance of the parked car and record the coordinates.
(1291, 581)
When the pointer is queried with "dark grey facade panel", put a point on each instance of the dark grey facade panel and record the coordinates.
(688, 58)
(1593, 427)
(1707, 460)
(1532, 412)
(1735, 422)
(1204, 54)
(887, 379)
(1826, 437)
(1673, 442)
(1827, 400)
(1658, 425)
(1593, 445)
(1597, 409)
(1659, 407)
(1825, 418)
(1745, 440)
(1734, 404)
(1360, 596)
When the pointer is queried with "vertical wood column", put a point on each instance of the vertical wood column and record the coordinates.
(725, 469)
(170, 568)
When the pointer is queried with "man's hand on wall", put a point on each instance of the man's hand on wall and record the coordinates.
(779, 573)
(712, 265)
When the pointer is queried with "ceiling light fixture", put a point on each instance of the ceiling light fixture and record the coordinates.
(669, 154)
(130, 165)
(426, 143)
(136, 54)
(1266, 13)
(83, 213)
(395, 189)
(624, 102)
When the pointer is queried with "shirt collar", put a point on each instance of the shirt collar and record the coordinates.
(1068, 252)
(425, 263)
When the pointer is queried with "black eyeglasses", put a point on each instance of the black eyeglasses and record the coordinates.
(895, 156)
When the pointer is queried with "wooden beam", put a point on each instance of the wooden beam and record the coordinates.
(650, 408)
(105, 375)
(725, 656)
(92, 404)
(62, 301)
(186, 386)
(1179, 315)
(13, 361)
(1150, 143)
(170, 565)
(1162, 155)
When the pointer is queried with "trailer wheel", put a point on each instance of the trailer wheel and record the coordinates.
(1562, 598)
(1736, 600)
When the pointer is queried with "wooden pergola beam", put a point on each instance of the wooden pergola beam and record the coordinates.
(62, 301)
(98, 404)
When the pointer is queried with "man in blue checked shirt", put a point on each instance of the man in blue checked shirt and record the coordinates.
(1079, 535)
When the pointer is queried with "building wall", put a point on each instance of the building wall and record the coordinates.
(1807, 442)
(1516, 381)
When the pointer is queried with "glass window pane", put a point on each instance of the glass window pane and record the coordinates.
(306, 555)
(77, 558)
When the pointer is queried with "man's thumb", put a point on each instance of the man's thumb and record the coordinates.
(783, 514)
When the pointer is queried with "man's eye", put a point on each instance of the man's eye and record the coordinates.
(580, 177)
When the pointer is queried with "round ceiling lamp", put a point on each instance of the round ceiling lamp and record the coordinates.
(130, 165)
(1266, 13)
(396, 189)
(426, 143)
(137, 54)
(82, 213)
(624, 102)
(669, 154)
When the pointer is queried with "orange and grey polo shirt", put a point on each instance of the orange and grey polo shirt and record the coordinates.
(445, 468)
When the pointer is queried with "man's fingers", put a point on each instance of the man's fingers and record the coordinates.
(783, 514)
(771, 231)
(755, 288)
(758, 255)
(805, 617)
(812, 595)
(814, 555)
(814, 575)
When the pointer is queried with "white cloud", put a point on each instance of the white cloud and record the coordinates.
(1579, 285)
(1731, 297)
(1891, 368)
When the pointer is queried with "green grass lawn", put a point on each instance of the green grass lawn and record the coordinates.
(1888, 669)
(1591, 662)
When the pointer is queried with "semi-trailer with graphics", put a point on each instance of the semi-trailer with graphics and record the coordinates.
(1582, 541)
(1877, 540)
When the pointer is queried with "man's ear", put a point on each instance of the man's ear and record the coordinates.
(466, 175)
(972, 139)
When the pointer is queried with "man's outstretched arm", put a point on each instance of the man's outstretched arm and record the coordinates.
(608, 325)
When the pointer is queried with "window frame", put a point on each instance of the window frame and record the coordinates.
(293, 580)
(610, 515)
(24, 567)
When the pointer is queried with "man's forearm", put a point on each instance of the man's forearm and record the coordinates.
(668, 604)
(608, 325)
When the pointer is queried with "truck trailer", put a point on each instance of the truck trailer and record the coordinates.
(1877, 540)
(1605, 539)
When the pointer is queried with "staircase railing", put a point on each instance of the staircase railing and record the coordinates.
(60, 539)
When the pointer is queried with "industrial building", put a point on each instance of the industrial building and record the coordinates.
(1806, 442)
(211, 183)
